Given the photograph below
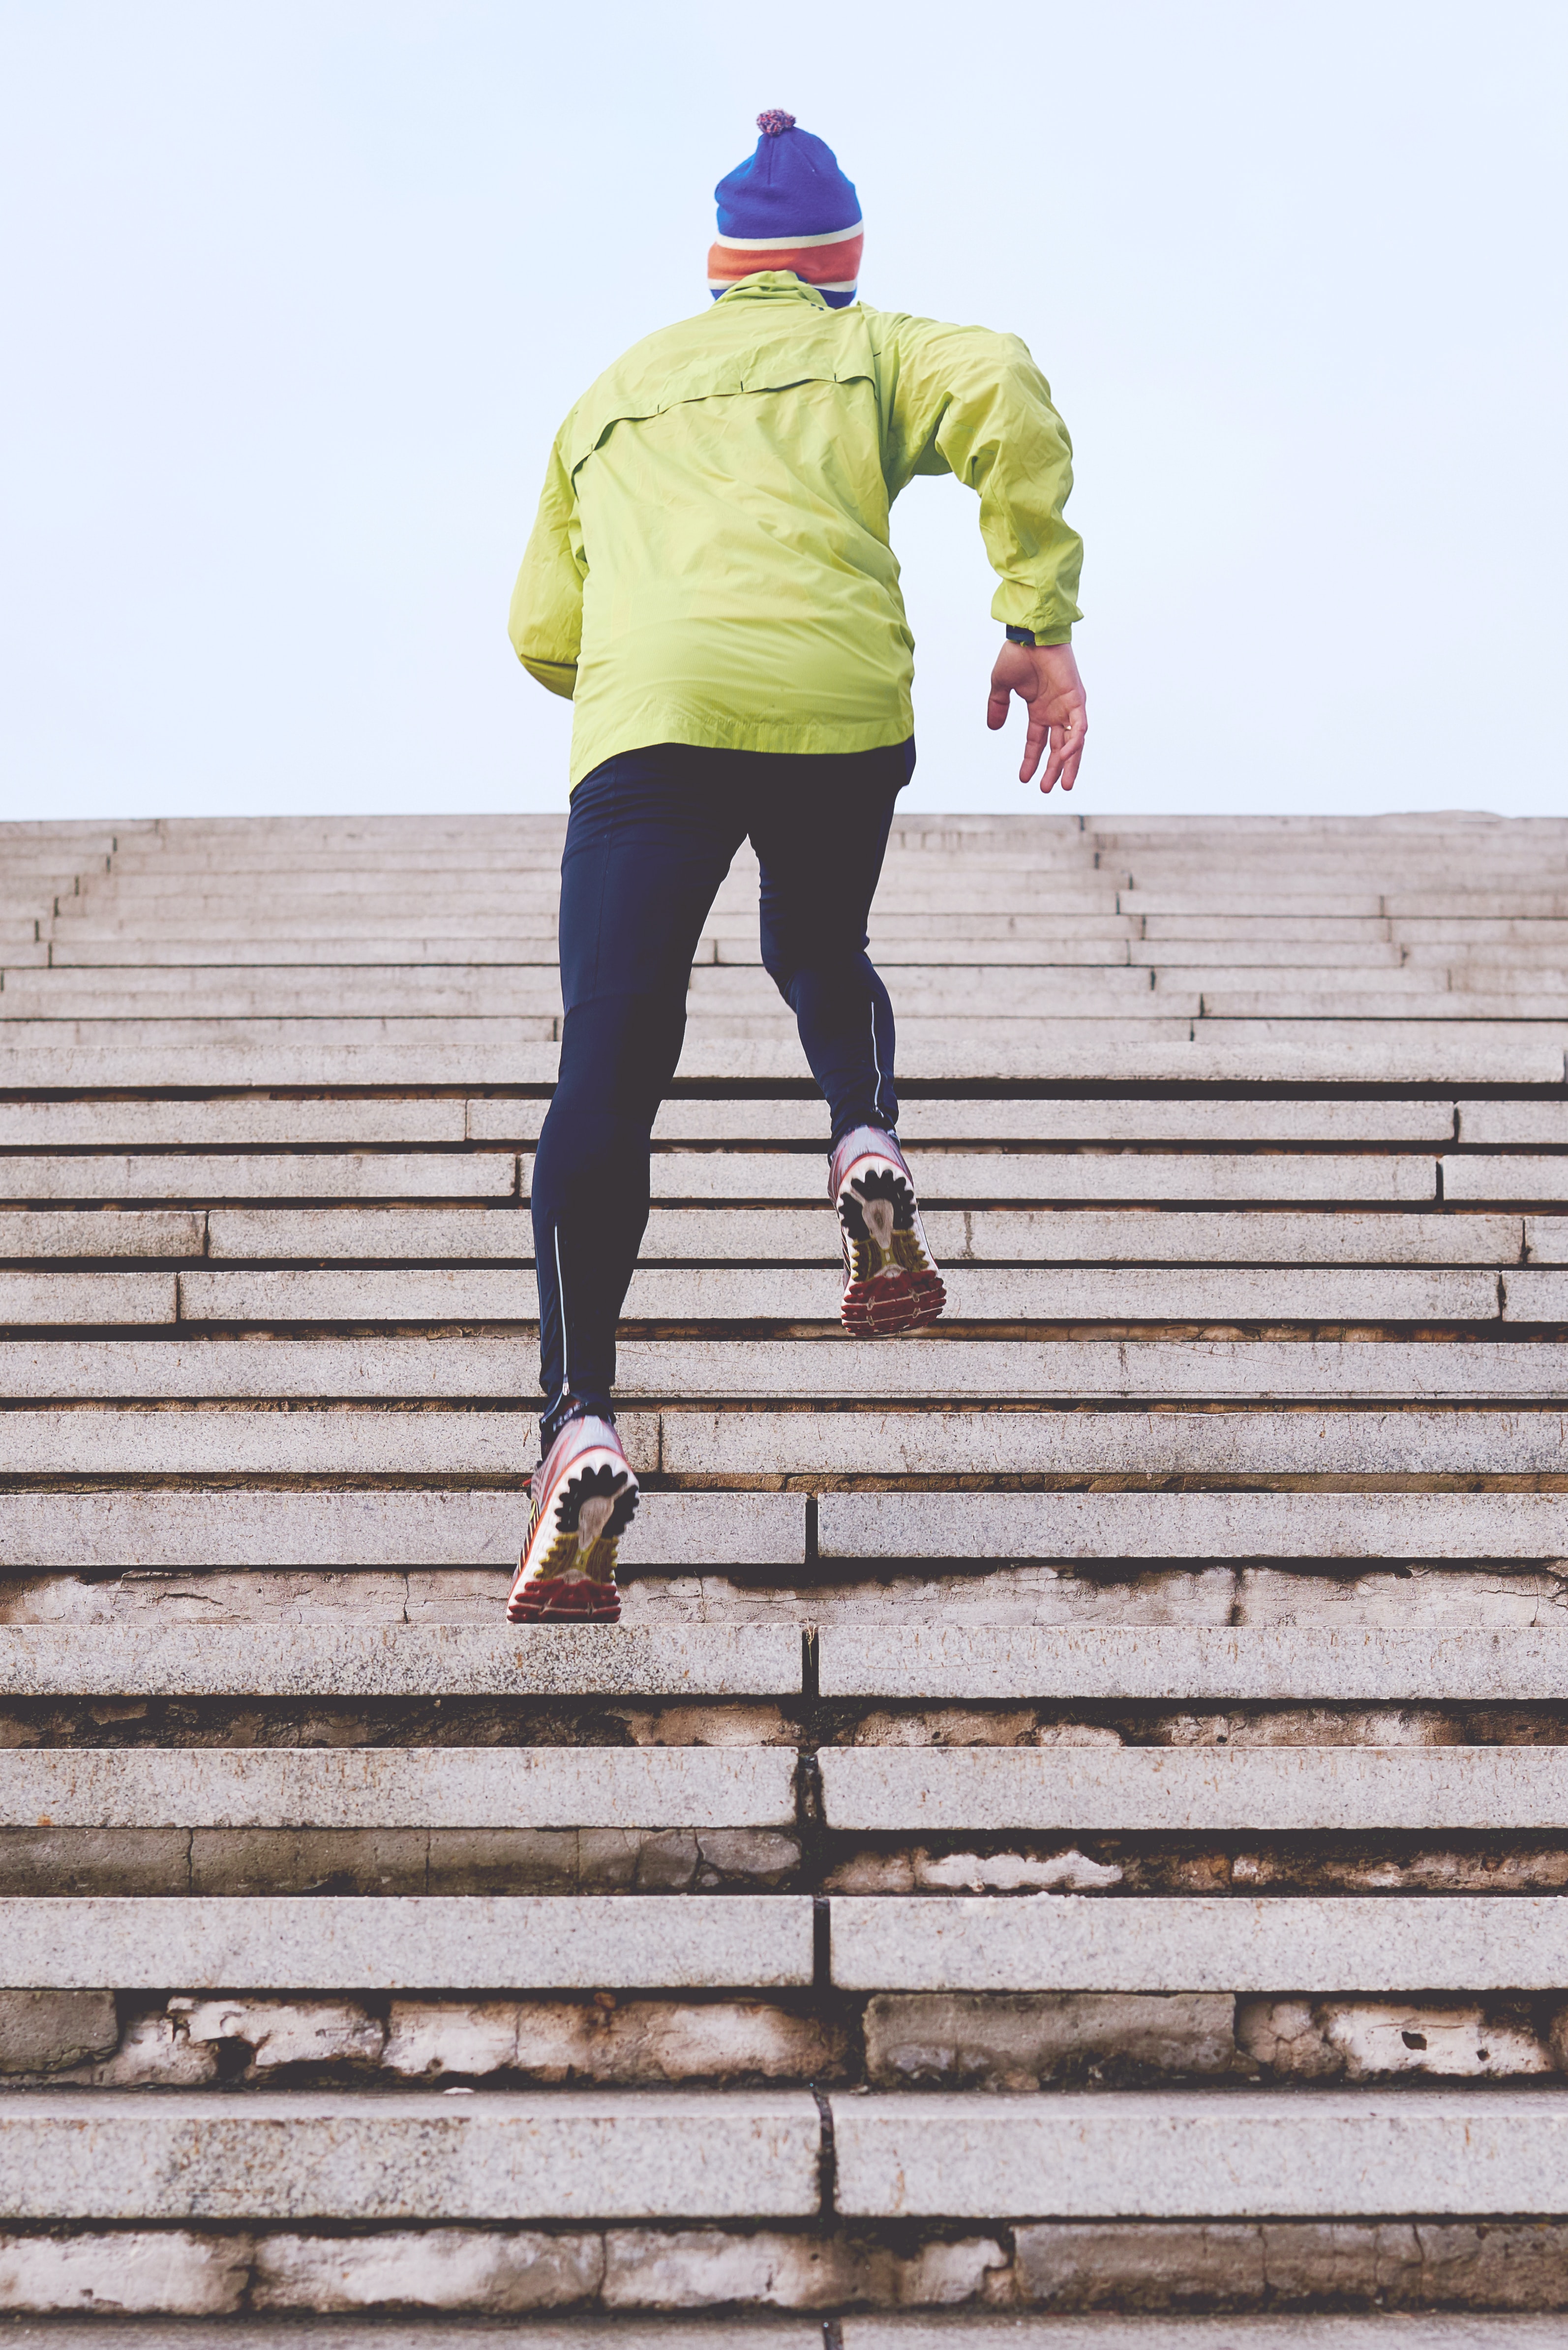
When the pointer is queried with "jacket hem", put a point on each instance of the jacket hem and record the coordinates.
(811, 737)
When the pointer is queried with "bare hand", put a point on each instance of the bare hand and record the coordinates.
(1046, 677)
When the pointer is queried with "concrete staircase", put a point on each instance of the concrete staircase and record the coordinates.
(1074, 1818)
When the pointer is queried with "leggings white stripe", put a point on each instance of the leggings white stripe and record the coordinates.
(561, 1301)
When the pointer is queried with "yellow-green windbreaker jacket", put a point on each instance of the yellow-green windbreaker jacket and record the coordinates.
(710, 562)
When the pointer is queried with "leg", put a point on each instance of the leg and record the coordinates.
(649, 838)
(820, 826)
(821, 841)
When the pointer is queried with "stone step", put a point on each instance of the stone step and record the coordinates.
(780, 1294)
(582, 2154)
(1025, 1175)
(262, 1119)
(303, 1174)
(1442, 1598)
(350, 1658)
(458, 1942)
(1272, 2329)
(1480, 1176)
(660, 1371)
(1232, 1662)
(94, 1232)
(1460, 1005)
(389, 1788)
(1273, 1054)
(1169, 1526)
(227, 1525)
(1060, 1943)
(1199, 2153)
(1186, 1790)
(777, 1234)
(949, 1944)
(346, 1657)
(257, 1118)
(201, 2278)
(269, 2154)
(318, 1439)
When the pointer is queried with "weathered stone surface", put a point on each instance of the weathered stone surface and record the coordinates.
(1133, 2266)
(171, 2272)
(431, 2268)
(1156, 1444)
(283, 2032)
(1370, 2040)
(386, 1945)
(346, 1659)
(309, 1175)
(615, 2041)
(48, 2031)
(1196, 2154)
(54, 1299)
(1195, 1945)
(789, 1369)
(264, 2154)
(1128, 2265)
(1244, 1662)
(366, 1526)
(1178, 1789)
(381, 1787)
(1461, 1525)
(98, 1233)
(1021, 2042)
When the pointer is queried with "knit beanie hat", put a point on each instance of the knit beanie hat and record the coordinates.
(788, 207)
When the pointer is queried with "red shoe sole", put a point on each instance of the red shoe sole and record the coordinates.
(894, 1303)
(566, 1603)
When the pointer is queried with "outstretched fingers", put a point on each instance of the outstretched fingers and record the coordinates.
(1067, 738)
(1040, 732)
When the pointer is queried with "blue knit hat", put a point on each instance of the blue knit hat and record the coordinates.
(788, 207)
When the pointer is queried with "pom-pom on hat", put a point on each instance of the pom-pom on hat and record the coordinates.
(788, 207)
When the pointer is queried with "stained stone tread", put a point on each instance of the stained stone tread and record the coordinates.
(1236, 1443)
(1064, 1942)
(783, 1294)
(346, 1660)
(1200, 2154)
(505, 2154)
(1223, 1663)
(1171, 1525)
(453, 1942)
(190, 1365)
(445, 1525)
(1182, 1789)
(378, 1787)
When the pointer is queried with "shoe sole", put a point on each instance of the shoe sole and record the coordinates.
(892, 1303)
(891, 1285)
(602, 1490)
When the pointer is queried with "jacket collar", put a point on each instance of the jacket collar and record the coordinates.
(771, 286)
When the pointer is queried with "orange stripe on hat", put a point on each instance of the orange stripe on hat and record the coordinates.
(819, 264)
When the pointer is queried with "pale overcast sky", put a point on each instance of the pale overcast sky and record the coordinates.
(295, 294)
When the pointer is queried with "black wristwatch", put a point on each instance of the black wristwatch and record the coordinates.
(1020, 635)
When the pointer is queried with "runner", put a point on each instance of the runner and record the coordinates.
(710, 581)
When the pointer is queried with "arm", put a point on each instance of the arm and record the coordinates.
(546, 620)
(962, 401)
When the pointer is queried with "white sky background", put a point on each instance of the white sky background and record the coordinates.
(295, 296)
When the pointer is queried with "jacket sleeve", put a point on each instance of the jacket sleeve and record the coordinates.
(546, 620)
(961, 399)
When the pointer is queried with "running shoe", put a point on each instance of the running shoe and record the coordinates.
(584, 1496)
(891, 1281)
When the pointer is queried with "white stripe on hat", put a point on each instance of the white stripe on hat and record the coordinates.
(779, 243)
(819, 284)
